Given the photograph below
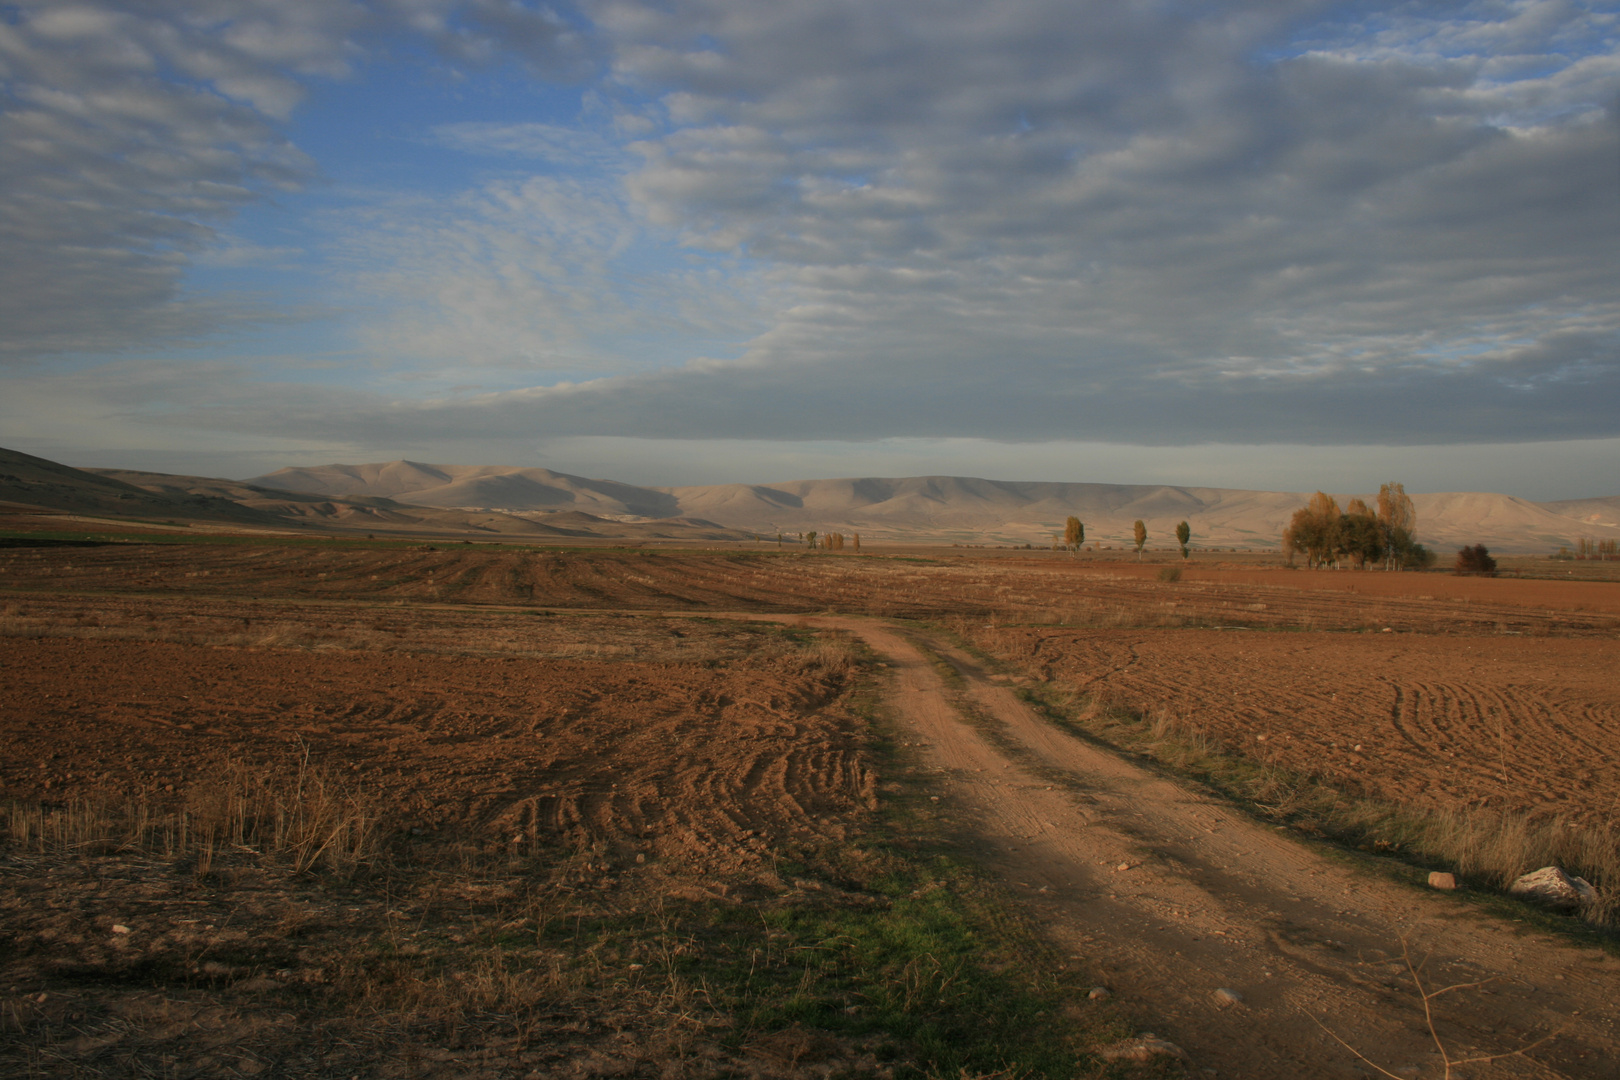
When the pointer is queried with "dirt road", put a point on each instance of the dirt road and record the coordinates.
(1175, 896)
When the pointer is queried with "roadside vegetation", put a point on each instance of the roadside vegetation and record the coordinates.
(1486, 850)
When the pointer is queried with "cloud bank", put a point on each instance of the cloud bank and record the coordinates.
(1018, 220)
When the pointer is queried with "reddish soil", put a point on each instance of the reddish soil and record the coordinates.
(1572, 595)
(712, 762)
(1058, 590)
(1523, 724)
(436, 681)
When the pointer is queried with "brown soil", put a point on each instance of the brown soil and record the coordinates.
(589, 750)
(554, 772)
(1520, 724)
(1058, 590)
(435, 680)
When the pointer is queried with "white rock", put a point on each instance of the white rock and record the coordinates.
(1227, 996)
(1439, 879)
(120, 928)
(1097, 993)
(1145, 1048)
(1551, 886)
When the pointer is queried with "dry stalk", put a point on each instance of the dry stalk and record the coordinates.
(1428, 996)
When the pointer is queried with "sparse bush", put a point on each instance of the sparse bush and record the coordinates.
(1170, 573)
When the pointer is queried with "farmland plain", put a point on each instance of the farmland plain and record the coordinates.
(576, 777)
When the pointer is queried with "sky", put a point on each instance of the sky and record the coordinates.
(1274, 244)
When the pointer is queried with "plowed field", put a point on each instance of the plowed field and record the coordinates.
(1052, 589)
(711, 763)
(555, 746)
(1519, 724)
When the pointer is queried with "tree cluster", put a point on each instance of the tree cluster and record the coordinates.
(832, 541)
(1587, 548)
(1476, 561)
(1328, 536)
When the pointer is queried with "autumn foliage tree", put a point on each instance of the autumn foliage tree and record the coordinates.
(1397, 522)
(1360, 536)
(1314, 531)
(1074, 533)
(1139, 530)
(1325, 535)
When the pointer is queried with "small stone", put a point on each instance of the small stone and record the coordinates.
(1387, 630)
(641, 858)
(1439, 879)
(120, 928)
(1098, 993)
(1551, 886)
(1123, 866)
(1227, 996)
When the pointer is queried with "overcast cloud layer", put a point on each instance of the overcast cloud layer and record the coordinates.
(1012, 220)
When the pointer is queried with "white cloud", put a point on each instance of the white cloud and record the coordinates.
(133, 131)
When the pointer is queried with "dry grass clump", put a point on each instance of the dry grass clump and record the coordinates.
(302, 816)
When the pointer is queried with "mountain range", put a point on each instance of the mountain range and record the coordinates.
(413, 498)
(949, 508)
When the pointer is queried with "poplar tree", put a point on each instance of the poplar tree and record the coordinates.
(1183, 534)
(1074, 533)
(1140, 530)
(1397, 520)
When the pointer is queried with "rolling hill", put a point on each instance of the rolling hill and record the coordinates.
(951, 508)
